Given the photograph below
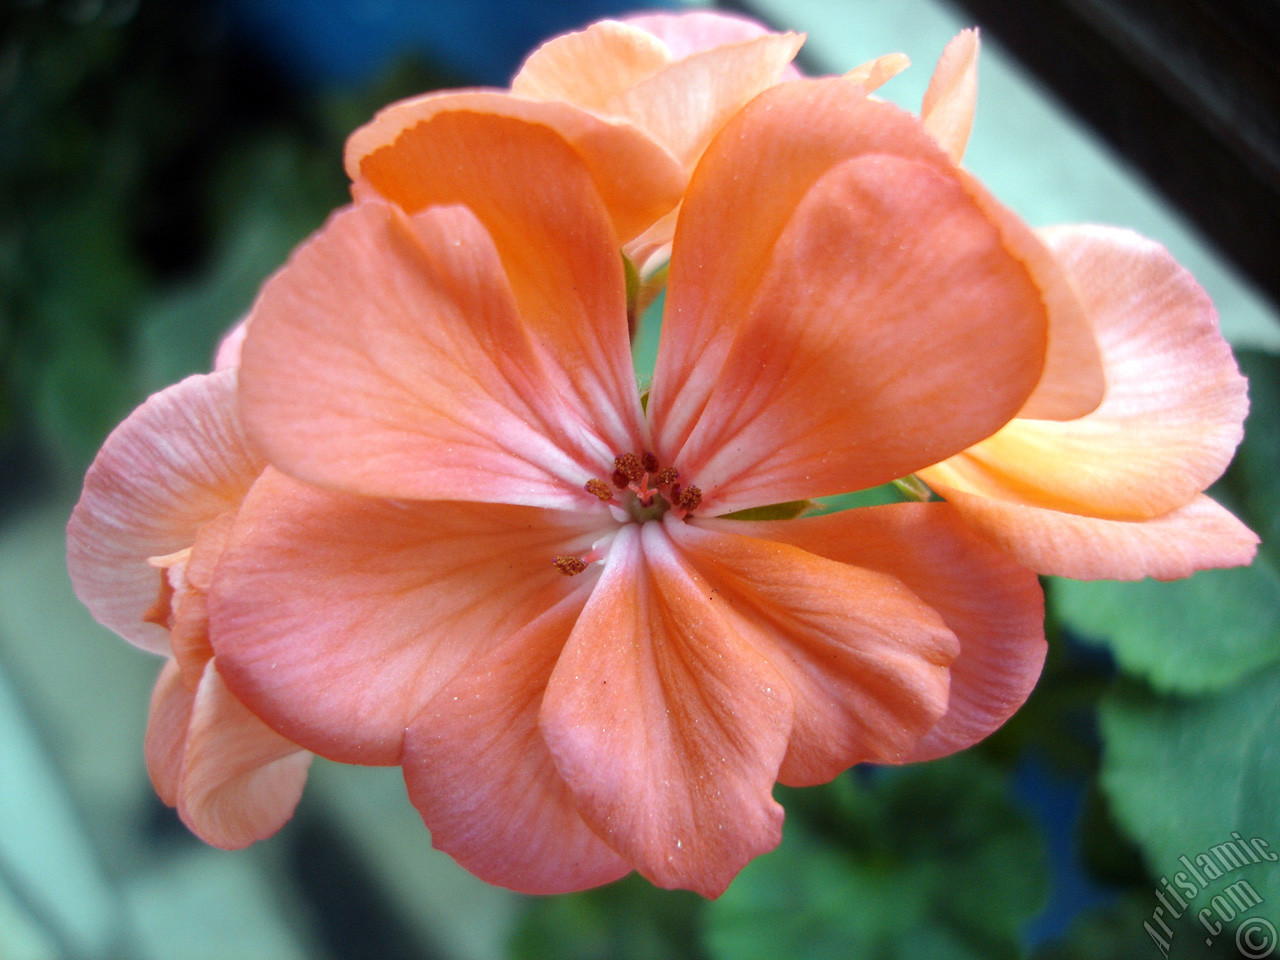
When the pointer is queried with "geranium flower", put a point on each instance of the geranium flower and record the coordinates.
(142, 546)
(479, 554)
(1108, 486)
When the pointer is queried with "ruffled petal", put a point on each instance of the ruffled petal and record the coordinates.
(166, 735)
(1198, 536)
(388, 358)
(909, 300)
(993, 605)
(174, 464)
(480, 773)
(947, 110)
(867, 662)
(666, 724)
(1175, 402)
(240, 780)
(875, 73)
(688, 33)
(590, 67)
(637, 179)
(337, 618)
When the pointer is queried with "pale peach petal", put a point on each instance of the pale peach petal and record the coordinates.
(189, 634)
(666, 724)
(1175, 402)
(387, 359)
(484, 781)
(177, 462)
(228, 354)
(747, 187)
(685, 105)
(876, 73)
(166, 736)
(1072, 384)
(590, 67)
(697, 30)
(557, 247)
(1198, 536)
(947, 110)
(992, 604)
(653, 247)
(240, 780)
(867, 662)
(885, 300)
(638, 180)
(337, 618)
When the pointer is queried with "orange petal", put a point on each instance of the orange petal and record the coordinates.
(867, 661)
(637, 179)
(484, 781)
(387, 358)
(684, 105)
(337, 618)
(947, 111)
(876, 73)
(177, 462)
(1175, 402)
(909, 300)
(240, 780)
(1198, 536)
(666, 724)
(992, 604)
(697, 30)
(167, 732)
(590, 67)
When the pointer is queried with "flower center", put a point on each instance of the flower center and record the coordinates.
(640, 489)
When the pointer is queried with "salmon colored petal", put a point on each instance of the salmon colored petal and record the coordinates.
(553, 235)
(387, 358)
(665, 722)
(1175, 403)
(688, 33)
(167, 725)
(867, 662)
(637, 179)
(685, 105)
(1198, 536)
(876, 73)
(992, 604)
(484, 781)
(240, 780)
(177, 462)
(189, 635)
(787, 138)
(228, 354)
(337, 618)
(1073, 383)
(910, 299)
(947, 111)
(590, 67)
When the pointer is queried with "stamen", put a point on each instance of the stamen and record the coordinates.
(569, 566)
(619, 479)
(665, 476)
(649, 462)
(600, 489)
(629, 466)
(690, 499)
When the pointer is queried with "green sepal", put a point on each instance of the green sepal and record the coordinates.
(774, 511)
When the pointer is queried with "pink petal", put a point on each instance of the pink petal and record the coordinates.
(337, 618)
(388, 358)
(166, 736)
(240, 780)
(637, 179)
(1175, 402)
(1198, 536)
(666, 724)
(992, 604)
(909, 299)
(228, 354)
(947, 111)
(481, 775)
(866, 661)
(177, 462)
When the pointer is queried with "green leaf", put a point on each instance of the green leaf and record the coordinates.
(1182, 775)
(933, 860)
(775, 511)
(1205, 633)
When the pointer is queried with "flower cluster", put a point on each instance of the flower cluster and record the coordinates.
(421, 513)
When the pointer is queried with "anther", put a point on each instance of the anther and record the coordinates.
(649, 462)
(666, 475)
(569, 566)
(629, 465)
(689, 499)
(598, 488)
